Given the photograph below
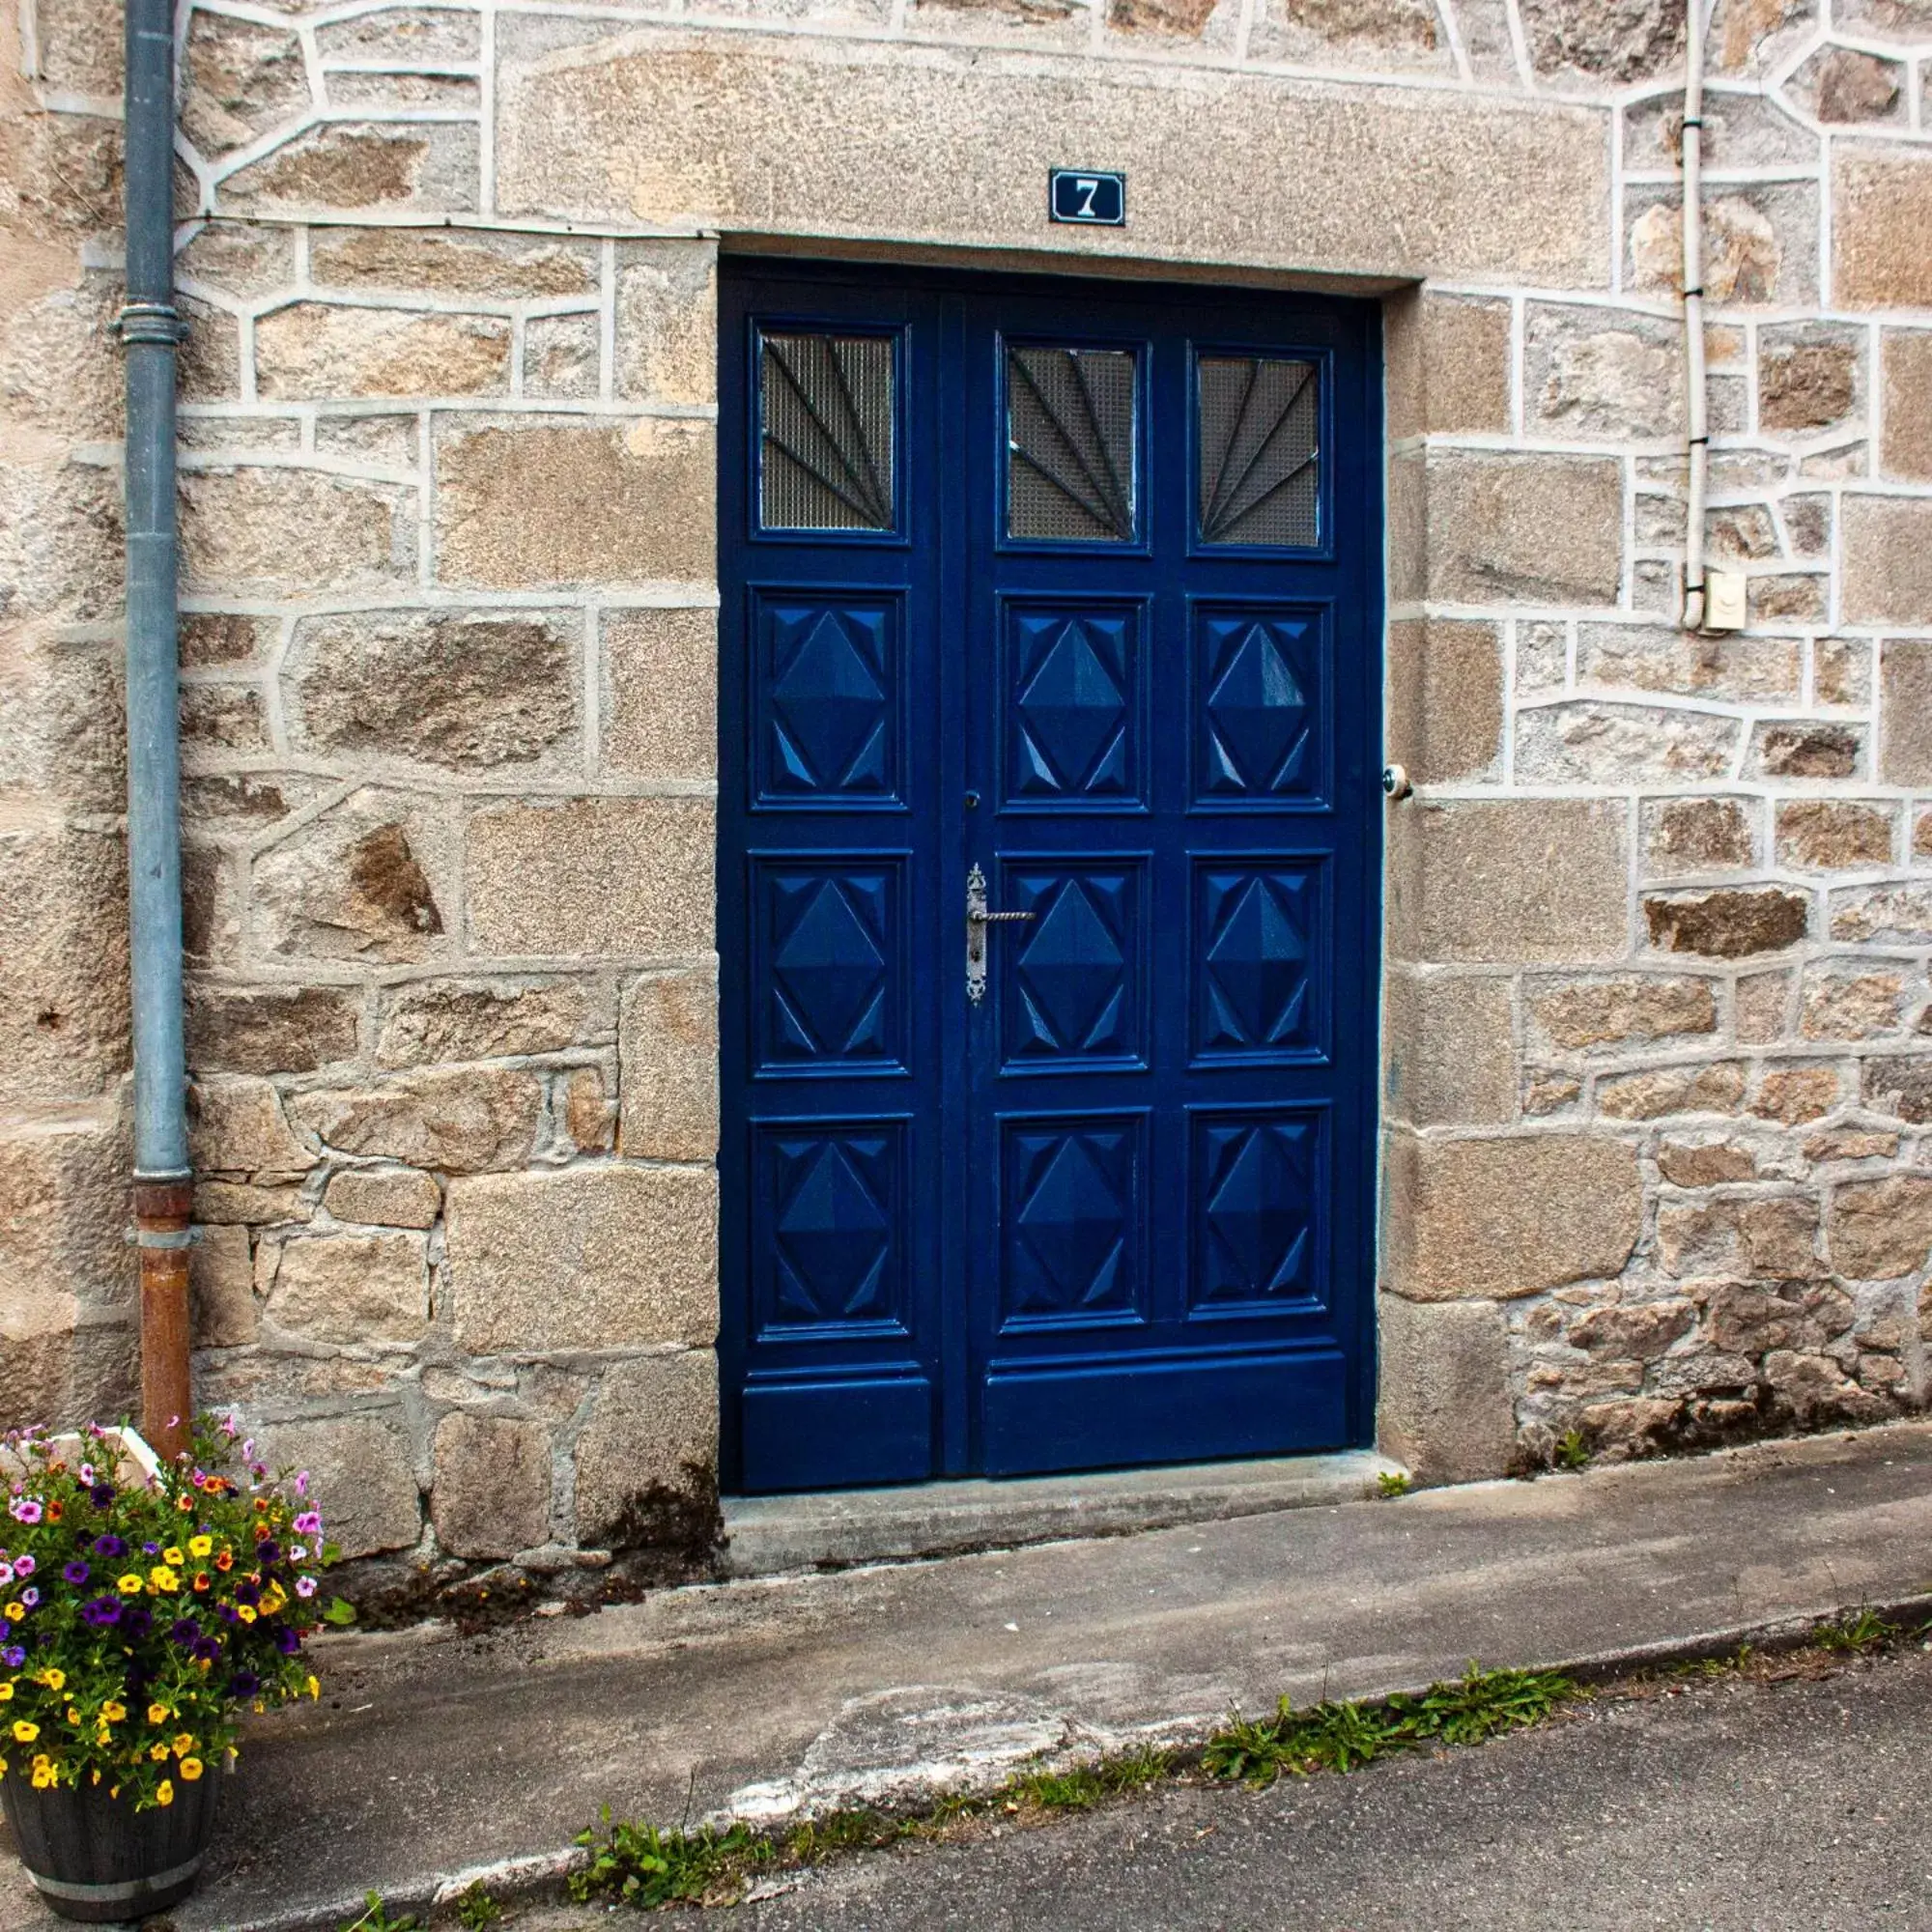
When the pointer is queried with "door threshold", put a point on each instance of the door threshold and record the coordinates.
(770, 1536)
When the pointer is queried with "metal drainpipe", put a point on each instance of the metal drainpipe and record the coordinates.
(150, 333)
(1697, 428)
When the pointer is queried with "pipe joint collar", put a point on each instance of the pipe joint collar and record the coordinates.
(157, 322)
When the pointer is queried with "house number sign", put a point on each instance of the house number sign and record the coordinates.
(1088, 196)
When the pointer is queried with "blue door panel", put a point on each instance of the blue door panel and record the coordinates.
(1075, 1417)
(1075, 588)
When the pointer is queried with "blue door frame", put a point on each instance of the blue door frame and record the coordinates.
(1069, 611)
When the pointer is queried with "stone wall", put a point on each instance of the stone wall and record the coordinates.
(1657, 1160)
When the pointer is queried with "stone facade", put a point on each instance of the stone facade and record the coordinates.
(1658, 1148)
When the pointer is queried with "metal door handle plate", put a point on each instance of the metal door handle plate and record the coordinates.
(978, 917)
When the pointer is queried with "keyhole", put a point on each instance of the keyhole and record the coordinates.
(972, 801)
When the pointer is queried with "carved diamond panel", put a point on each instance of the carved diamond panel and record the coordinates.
(827, 1247)
(1257, 959)
(1257, 1197)
(1258, 715)
(1073, 1233)
(826, 701)
(1073, 704)
(1073, 975)
(828, 964)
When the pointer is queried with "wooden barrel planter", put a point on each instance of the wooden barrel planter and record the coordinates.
(96, 1858)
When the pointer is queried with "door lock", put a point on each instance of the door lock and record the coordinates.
(977, 919)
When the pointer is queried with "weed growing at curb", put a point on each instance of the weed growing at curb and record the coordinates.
(1862, 1630)
(1571, 1451)
(376, 1918)
(476, 1910)
(1392, 1483)
(1345, 1737)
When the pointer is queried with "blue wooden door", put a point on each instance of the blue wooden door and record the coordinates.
(1049, 849)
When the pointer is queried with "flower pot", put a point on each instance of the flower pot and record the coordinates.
(96, 1858)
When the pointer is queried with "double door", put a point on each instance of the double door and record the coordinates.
(1049, 846)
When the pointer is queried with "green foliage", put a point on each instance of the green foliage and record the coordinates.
(1345, 1737)
(840, 1833)
(145, 1607)
(640, 1865)
(1082, 1786)
(340, 1612)
(475, 1909)
(1571, 1451)
(376, 1918)
(1392, 1483)
(1859, 1631)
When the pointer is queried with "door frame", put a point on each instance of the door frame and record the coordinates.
(738, 832)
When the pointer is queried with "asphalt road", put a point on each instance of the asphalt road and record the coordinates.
(1726, 1807)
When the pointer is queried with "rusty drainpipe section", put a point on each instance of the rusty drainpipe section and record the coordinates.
(150, 333)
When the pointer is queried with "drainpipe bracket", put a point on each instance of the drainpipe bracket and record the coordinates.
(157, 322)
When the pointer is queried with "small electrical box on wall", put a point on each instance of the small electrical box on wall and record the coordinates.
(1723, 600)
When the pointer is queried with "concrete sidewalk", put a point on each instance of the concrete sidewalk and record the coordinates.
(432, 1756)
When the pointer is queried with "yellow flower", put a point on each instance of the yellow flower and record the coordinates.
(17, 1611)
(158, 1752)
(7, 1692)
(130, 1585)
(25, 1733)
(159, 1714)
(41, 1779)
(173, 1556)
(200, 1546)
(190, 1769)
(245, 1613)
(112, 1712)
(103, 1736)
(54, 1679)
(163, 1578)
(165, 1793)
(184, 1744)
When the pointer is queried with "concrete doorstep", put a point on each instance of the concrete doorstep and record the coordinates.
(434, 1759)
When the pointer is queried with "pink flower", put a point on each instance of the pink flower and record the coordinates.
(87, 1474)
(298, 1552)
(302, 1483)
(309, 1523)
(24, 1566)
(305, 1587)
(24, 1509)
(6, 1574)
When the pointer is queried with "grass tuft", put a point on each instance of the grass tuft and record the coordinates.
(1859, 1632)
(1345, 1737)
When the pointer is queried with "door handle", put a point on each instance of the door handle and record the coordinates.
(978, 917)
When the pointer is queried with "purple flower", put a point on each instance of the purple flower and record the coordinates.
(184, 1632)
(137, 1622)
(153, 1549)
(76, 1572)
(268, 1552)
(286, 1641)
(243, 1684)
(102, 1611)
(102, 1494)
(109, 1546)
(248, 1593)
(206, 1649)
(13, 1657)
